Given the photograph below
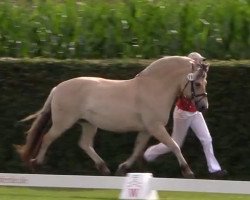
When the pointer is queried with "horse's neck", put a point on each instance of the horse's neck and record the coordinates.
(173, 66)
(165, 77)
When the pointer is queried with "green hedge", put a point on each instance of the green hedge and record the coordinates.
(25, 85)
(124, 28)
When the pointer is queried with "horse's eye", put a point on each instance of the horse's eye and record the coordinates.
(197, 84)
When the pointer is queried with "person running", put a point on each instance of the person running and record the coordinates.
(186, 116)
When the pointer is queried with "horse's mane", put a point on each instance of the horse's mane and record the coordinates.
(167, 63)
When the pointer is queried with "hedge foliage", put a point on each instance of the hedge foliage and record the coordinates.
(25, 85)
(124, 28)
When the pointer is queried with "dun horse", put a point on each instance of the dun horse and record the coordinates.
(140, 104)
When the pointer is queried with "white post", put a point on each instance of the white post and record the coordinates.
(138, 186)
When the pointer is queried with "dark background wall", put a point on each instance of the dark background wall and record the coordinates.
(25, 85)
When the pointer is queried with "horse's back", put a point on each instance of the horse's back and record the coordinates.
(108, 104)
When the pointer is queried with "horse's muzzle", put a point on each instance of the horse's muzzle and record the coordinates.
(202, 107)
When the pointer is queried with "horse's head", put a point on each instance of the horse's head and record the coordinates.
(195, 87)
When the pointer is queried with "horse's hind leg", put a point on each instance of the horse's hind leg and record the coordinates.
(141, 141)
(57, 129)
(86, 143)
(48, 138)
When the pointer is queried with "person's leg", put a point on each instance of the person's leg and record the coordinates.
(154, 151)
(200, 129)
(180, 128)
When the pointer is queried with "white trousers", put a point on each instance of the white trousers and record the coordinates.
(182, 121)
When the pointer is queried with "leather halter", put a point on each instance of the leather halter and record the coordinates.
(204, 68)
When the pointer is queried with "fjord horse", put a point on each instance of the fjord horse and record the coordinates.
(140, 104)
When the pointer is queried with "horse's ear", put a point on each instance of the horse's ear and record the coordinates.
(199, 70)
(205, 66)
(197, 74)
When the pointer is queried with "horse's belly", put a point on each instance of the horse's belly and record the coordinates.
(116, 125)
(109, 118)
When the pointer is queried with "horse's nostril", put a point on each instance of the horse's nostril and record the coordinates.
(202, 108)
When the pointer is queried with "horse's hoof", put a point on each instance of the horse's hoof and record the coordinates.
(187, 172)
(189, 175)
(103, 169)
(121, 171)
(33, 164)
(105, 172)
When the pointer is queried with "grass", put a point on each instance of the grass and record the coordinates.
(131, 28)
(19, 193)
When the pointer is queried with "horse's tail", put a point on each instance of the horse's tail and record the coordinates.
(36, 131)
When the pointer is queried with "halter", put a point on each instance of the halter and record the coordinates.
(193, 94)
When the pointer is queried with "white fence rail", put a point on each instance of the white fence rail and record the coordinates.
(114, 182)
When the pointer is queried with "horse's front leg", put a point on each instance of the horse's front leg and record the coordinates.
(159, 131)
(86, 143)
(141, 141)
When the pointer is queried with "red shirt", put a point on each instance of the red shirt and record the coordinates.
(186, 104)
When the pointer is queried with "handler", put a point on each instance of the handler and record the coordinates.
(186, 116)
